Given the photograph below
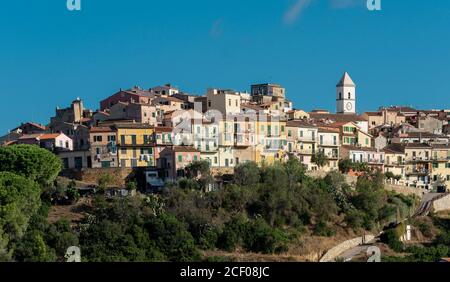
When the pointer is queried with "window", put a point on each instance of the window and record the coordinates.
(301, 133)
(349, 95)
(367, 141)
(209, 104)
(447, 165)
(321, 139)
(340, 96)
(229, 102)
(195, 158)
(123, 151)
(180, 158)
(111, 138)
(435, 165)
(97, 151)
(289, 133)
(282, 128)
(334, 140)
(215, 160)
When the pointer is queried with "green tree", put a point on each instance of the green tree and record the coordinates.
(173, 238)
(32, 162)
(200, 171)
(19, 201)
(320, 159)
(104, 181)
(247, 174)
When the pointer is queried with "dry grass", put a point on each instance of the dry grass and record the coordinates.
(74, 213)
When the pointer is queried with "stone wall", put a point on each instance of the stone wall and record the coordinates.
(344, 246)
(405, 190)
(442, 204)
(92, 175)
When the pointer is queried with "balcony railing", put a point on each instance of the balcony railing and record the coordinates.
(307, 139)
(417, 171)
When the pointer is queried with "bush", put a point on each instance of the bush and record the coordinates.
(261, 238)
(233, 234)
(392, 239)
(322, 229)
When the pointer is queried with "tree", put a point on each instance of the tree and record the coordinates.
(200, 171)
(32, 162)
(320, 159)
(173, 238)
(247, 174)
(19, 201)
(295, 171)
(104, 181)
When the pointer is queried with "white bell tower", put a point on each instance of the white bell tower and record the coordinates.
(346, 95)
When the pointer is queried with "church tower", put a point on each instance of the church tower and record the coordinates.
(346, 95)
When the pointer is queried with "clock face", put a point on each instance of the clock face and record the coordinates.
(349, 106)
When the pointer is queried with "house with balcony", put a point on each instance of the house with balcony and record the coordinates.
(374, 158)
(302, 140)
(395, 162)
(418, 165)
(136, 145)
(270, 138)
(329, 145)
(173, 161)
(103, 141)
(440, 171)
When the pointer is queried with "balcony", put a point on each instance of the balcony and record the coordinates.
(417, 171)
(419, 160)
(307, 139)
(375, 161)
(329, 144)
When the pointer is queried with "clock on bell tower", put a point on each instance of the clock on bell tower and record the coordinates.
(346, 95)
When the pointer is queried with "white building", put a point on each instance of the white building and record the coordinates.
(346, 95)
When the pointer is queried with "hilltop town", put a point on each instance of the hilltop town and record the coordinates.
(161, 130)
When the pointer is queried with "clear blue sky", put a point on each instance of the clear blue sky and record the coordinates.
(49, 56)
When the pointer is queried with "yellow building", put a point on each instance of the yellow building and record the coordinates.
(271, 140)
(351, 134)
(136, 145)
(440, 171)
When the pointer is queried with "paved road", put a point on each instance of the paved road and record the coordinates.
(350, 254)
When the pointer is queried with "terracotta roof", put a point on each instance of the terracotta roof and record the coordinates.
(336, 117)
(163, 129)
(394, 148)
(441, 146)
(366, 149)
(328, 130)
(300, 123)
(50, 136)
(373, 113)
(30, 136)
(421, 135)
(101, 129)
(133, 125)
(185, 149)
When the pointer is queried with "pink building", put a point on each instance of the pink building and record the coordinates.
(134, 95)
(174, 160)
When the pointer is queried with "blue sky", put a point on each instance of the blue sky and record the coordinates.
(49, 55)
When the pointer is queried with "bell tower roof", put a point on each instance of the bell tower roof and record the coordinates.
(346, 80)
